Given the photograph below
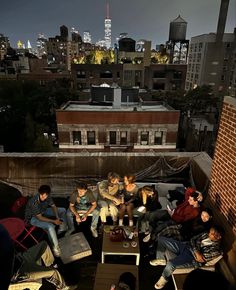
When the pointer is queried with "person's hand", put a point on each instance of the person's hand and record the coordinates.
(84, 217)
(78, 220)
(57, 222)
(199, 257)
(136, 233)
(117, 201)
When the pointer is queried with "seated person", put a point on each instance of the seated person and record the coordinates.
(188, 229)
(128, 193)
(28, 266)
(82, 201)
(146, 206)
(212, 280)
(201, 249)
(109, 198)
(187, 210)
(39, 212)
(6, 258)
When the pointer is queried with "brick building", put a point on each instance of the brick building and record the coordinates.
(154, 77)
(223, 176)
(117, 126)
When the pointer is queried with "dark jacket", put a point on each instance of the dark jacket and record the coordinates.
(152, 202)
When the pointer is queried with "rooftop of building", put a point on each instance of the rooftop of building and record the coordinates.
(125, 107)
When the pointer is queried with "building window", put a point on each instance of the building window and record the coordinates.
(123, 137)
(158, 137)
(112, 137)
(177, 75)
(81, 74)
(106, 74)
(91, 138)
(144, 137)
(159, 74)
(77, 137)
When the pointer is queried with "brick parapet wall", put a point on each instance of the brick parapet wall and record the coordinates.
(223, 177)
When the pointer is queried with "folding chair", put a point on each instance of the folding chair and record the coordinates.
(18, 209)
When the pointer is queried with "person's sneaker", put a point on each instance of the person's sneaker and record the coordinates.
(160, 283)
(158, 262)
(131, 223)
(120, 222)
(147, 238)
(57, 251)
(94, 232)
(69, 232)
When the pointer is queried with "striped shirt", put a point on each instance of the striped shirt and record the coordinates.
(35, 206)
(209, 249)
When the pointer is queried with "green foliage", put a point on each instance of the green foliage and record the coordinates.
(27, 110)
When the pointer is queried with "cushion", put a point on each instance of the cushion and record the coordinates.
(163, 188)
(214, 261)
(32, 285)
(74, 247)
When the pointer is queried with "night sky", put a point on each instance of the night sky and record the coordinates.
(141, 19)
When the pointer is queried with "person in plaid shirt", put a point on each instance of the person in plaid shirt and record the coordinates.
(201, 249)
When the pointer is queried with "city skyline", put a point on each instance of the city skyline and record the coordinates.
(140, 19)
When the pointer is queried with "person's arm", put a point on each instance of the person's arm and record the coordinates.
(48, 220)
(183, 214)
(74, 211)
(103, 189)
(195, 243)
(90, 210)
(55, 211)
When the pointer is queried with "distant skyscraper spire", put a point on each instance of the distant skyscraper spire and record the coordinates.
(107, 23)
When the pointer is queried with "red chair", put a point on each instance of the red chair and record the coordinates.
(18, 209)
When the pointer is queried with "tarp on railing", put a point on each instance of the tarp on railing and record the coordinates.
(62, 171)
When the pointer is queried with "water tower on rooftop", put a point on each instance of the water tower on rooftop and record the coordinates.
(177, 44)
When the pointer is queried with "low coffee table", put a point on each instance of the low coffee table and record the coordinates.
(108, 274)
(117, 248)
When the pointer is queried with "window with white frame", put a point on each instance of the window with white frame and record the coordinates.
(123, 137)
(91, 138)
(144, 136)
(113, 137)
(158, 138)
(77, 138)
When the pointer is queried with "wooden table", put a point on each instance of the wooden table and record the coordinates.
(178, 280)
(117, 248)
(108, 274)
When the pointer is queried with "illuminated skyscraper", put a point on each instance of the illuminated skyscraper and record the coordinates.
(4, 45)
(87, 37)
(107, 28)
(75, 36)
(41, 45)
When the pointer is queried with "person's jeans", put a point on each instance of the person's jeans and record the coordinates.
(70, 218)
(32, 266)
(50, 227)
(107, 207)
(183, 255)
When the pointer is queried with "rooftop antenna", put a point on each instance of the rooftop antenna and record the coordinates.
(107, 11)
